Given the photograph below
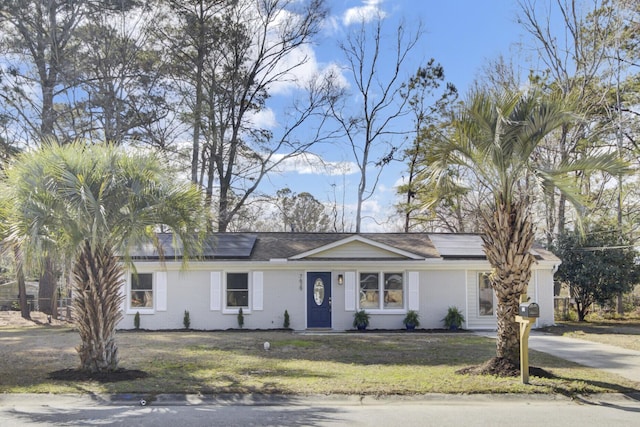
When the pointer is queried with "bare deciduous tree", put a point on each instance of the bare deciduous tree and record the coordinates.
(256, 48)
(378, 87)
(574, 64)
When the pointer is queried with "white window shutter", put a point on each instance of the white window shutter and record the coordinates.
(161, 291)
(258, 289)
(414, 291)
(350, 291)
(215, 286)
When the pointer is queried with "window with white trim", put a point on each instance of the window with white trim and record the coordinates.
(237, 290)
(381, 290)
(485, 295)
(141, 294)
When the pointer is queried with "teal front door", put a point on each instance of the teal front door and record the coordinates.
(319, 300)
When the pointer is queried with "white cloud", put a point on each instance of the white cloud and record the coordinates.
(378, 216)
(336, 72)
(366, 13)
(371, 207)
(263, 119)
(299, 64)
(300, 67)
(303, 68)
(331, 25)
(312, 164)
(402, 180)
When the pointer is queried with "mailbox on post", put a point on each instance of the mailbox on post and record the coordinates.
(529, 309)
(528, 312)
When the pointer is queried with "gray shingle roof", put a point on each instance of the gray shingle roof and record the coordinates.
(268, 246)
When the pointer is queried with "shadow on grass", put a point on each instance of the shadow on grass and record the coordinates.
(360, 349)
(575, 394)
(101, 377)
(596, 328)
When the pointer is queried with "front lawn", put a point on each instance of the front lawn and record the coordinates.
(236, 362)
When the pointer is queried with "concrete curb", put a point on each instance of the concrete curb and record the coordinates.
(135, 399)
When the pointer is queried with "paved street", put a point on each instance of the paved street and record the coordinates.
(432, 410)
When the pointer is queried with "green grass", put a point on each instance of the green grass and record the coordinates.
(236, 362)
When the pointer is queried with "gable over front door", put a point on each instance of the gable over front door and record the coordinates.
(319, 300)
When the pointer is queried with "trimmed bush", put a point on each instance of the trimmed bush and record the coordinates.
(286, 319)
(186, 321)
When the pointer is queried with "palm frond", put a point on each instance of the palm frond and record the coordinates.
(494, 137)
(64, 195)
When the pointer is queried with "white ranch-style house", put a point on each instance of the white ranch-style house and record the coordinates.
(321, 280)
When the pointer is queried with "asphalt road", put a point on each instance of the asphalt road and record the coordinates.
(430, 410)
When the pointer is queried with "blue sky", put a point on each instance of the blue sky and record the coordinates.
(460, 34)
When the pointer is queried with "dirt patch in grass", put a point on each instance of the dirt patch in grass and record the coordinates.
(502, 367)
(101, 377)
(13, 318)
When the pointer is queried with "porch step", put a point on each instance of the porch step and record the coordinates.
(318, 331)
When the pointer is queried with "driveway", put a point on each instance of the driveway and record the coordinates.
(616, 360)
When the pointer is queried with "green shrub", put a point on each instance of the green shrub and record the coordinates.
(412, 319)
(454, 318)
(572, 316)
(286, 319)
(361, 319)
(186, 320)
(136, 320)
(240, 318)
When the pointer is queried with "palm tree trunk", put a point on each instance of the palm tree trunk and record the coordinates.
(508, 239)
(48, 287)
(97, 301)
(22, 286)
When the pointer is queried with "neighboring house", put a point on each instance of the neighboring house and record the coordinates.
(9, 296)
(322, 279)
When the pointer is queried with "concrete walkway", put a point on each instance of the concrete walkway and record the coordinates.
(616, 360)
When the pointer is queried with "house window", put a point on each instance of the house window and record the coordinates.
(237, 290)
(141, 290)
(388, 285)
(369, 290)
(393, 290)
(485, 295)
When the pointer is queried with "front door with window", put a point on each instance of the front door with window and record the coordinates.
(319, 300)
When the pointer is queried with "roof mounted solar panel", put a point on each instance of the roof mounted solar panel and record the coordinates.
(221, 245)
(230, 245)
(462, 246)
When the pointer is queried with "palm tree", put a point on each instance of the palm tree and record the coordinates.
(494, 138)
(93, 203)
